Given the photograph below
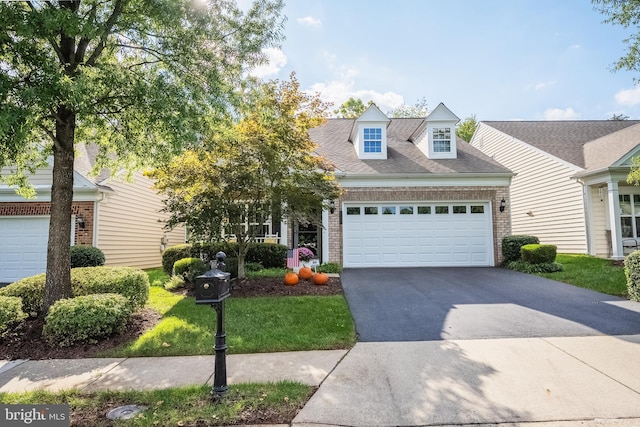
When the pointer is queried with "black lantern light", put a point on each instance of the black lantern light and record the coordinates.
(503, 204)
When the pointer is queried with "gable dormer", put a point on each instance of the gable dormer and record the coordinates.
(438, 141)
(369, 134)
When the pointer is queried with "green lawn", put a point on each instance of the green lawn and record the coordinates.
(592, 273)
(187, 406)
(252, 325)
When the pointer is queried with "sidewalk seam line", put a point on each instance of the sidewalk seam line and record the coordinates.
(103, 374)
(590, 366)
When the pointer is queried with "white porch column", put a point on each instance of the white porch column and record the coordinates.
(614, 220)
(588, 215)
(284, 232)
(325, 236)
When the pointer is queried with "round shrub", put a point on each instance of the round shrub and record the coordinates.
(30, 290)
(511, 246)
(86, 256)
(86, 318)
(538, 254)
(173, 254)
(632, 271)
(189, 268)
(130, 282)
(10, 313)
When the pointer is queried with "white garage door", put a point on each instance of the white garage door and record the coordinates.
(23, 247)
(417, 234)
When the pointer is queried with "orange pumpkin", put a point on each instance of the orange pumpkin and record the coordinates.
(291, 279)
(320, 279)
(305, 273)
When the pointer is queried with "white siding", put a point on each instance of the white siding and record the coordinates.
(42, 177)
(129, 232)
(543, 188)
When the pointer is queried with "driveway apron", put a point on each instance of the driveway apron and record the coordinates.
(451, 303)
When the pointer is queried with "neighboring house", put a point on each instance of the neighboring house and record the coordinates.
(121, 218)
(570, 187)
(413, 194)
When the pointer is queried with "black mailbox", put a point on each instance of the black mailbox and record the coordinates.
(212, 287)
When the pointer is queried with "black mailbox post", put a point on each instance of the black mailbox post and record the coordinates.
(212, 288)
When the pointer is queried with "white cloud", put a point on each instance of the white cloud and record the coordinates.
(544, 85)
(310, 21)
(338, 91)
(575, 46)
(628, 97)
(561, 114)
(277, 59)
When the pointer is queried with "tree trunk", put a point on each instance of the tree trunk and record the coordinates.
(58, 282)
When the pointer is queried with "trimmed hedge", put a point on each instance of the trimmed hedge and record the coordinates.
(86, 318)
(189, 268)
(511, 246)
(538, 254)
(173, 254)
(30, 290)
(10, 313)
(632, 271)
(130, 282)
(86, 256)
(270, 255)
(526, 267)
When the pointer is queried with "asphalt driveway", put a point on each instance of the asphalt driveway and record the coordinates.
(425, 304)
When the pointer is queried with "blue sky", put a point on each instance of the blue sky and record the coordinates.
(497, 59)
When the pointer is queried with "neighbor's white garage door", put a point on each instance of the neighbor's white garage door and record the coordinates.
(23, 247)
(417, 234)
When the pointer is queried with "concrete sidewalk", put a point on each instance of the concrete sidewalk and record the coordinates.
(146, 373)
(522, 382)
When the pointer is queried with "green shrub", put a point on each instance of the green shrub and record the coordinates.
(538, 254)
(330, 267)
(173, 254)
(189, 268)
(86, 256)
(511, 246)
(30, 290)
(526, 267)
(130, 282)
(10, 313)
(86, 318)
(175, 282)
(232, 266)
(632, 271)
(253, 266)
(270, 255)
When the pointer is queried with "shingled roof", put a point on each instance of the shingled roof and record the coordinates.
(403, 157)
(566, 139)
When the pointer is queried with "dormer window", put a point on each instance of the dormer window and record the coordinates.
(372, 140)
(441, 140)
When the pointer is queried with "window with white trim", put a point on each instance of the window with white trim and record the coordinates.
(629, 215)
(441, 140)
(372, 140)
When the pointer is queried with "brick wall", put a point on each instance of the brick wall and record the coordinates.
(501, 220)
(83, 236)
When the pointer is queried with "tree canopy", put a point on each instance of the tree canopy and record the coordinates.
(261, 166)
(352, 108)
(419, 109)
(627, 14)
(141, 79)
(467, 128)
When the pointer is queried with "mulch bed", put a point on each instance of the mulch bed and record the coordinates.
(26, 342)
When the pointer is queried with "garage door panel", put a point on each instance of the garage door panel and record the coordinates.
(444, 239)
(23, 251)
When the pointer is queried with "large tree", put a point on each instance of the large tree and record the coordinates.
(627, 14)
(261, 165)
(139, 78)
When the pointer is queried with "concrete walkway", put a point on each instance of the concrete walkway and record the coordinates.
(520, 382)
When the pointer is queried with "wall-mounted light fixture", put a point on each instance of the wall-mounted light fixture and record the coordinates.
(503, 204)
(80, 221)
(332, 206)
